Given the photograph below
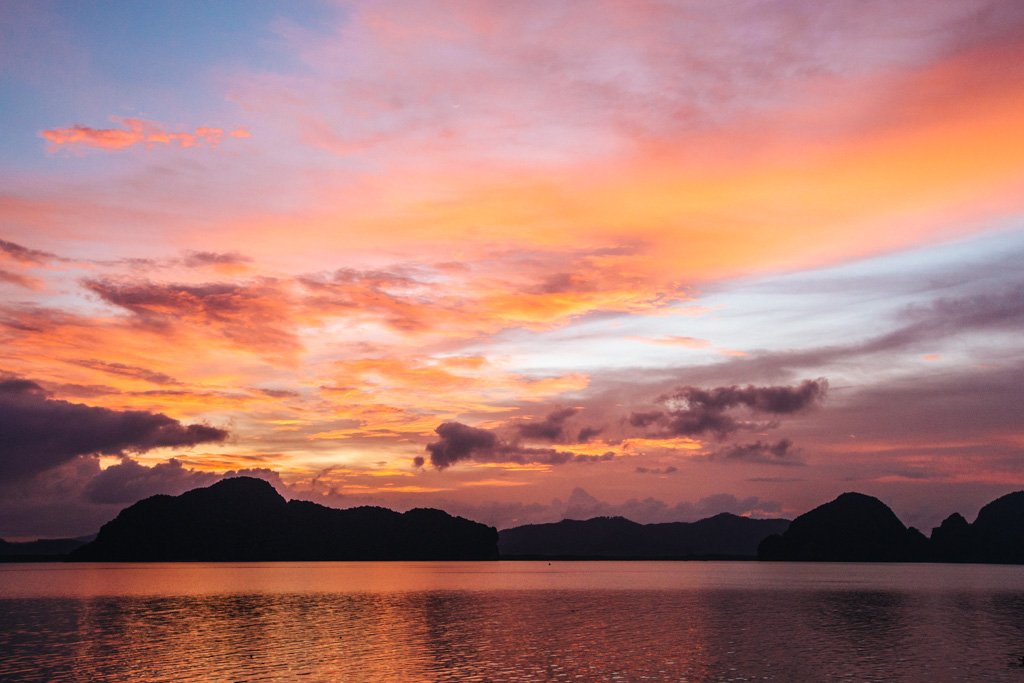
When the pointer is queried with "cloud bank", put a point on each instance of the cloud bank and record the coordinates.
(40, 433)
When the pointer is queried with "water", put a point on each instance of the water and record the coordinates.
(511, 621)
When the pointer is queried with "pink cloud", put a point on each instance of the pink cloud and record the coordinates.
(676, 340)
(20, 280)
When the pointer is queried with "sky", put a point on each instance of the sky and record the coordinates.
(521, 261)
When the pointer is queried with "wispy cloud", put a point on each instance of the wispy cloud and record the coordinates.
(134, 132)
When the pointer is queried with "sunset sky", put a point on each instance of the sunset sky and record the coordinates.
(517, 260)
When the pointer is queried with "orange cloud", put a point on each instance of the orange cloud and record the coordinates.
(406, 397)
(252, 314)
(134, 132)
(823, 176)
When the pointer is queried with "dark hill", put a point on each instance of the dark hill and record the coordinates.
(41, 550)
(953, 540)
(998, 532)
(245, 519)
(859, 528)
(852, 528)
(722, 536)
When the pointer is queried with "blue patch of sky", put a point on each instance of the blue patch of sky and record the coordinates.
(168, 43)
(798, 311)
(93, 60)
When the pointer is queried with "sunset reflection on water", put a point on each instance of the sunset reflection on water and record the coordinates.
(510, 621)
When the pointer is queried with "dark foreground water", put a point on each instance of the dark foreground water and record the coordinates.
(511, 621)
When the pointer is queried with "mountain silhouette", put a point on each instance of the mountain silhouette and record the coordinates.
(852, 528)
(40, 551)
(859, 528)
(953, 540)
(246, 519)
(721, 536)
(998, 532)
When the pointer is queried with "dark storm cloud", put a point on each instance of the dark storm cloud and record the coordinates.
(40, 432)
(646, 418)
(460, 442)
(551, 428)
(588, 433)
(123, 370)
(693, 411)
(779, 453)
(778, 400)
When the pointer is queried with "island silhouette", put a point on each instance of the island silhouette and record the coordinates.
(246, 519)
(859, 528)
(42, 550)
(724, 536)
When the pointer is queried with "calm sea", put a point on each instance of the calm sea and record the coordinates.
(511, 621)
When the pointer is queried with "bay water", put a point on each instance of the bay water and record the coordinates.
(511, 621)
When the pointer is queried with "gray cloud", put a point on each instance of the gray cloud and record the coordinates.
(129, 481)
(693, 411)
(551, 428)
(460, 442)
(199, 259)
(779, 453)
(671, 469)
